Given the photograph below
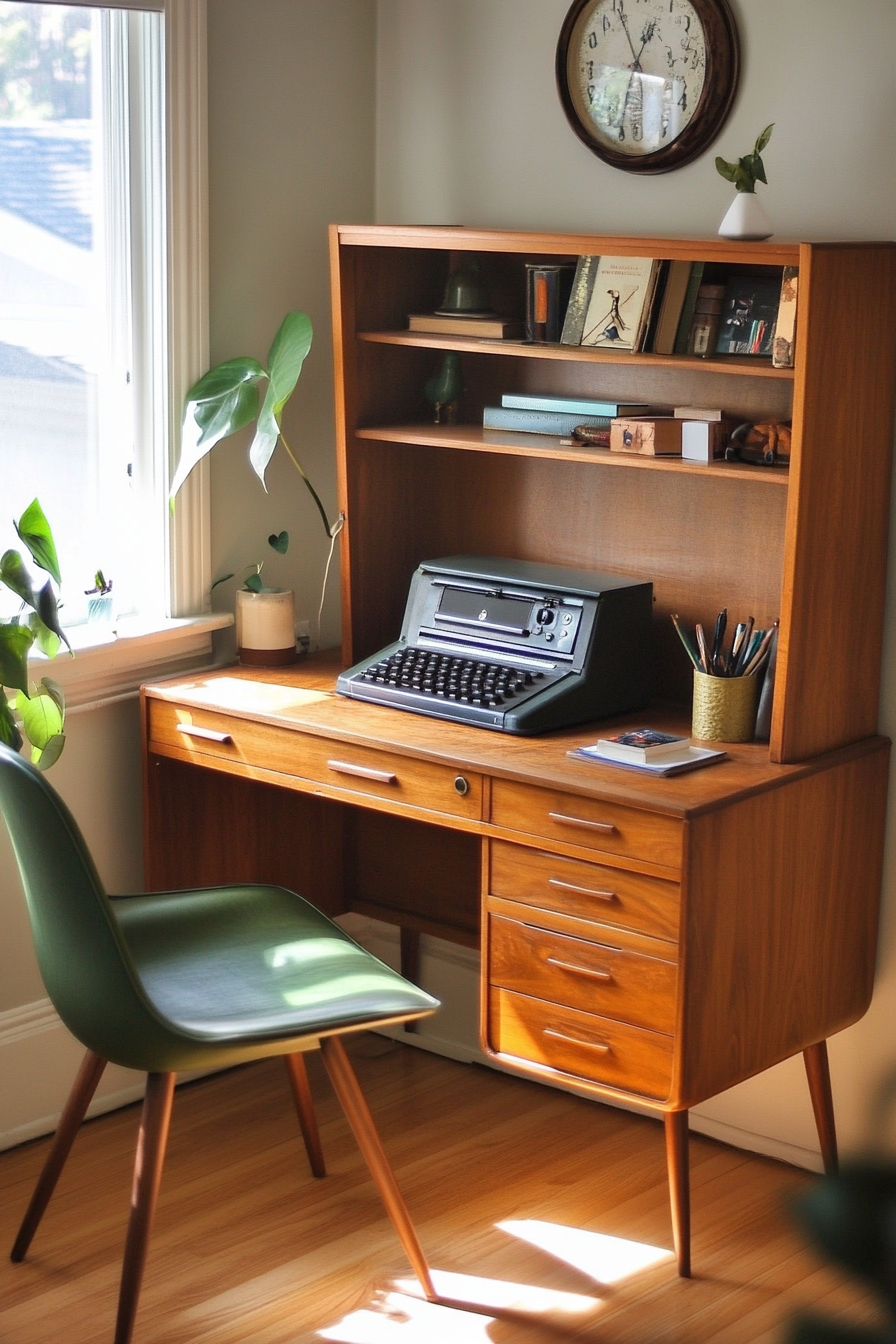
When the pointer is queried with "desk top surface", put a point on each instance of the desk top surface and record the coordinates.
(302, 698)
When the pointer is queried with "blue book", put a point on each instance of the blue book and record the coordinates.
(539, 422)
(524, 401)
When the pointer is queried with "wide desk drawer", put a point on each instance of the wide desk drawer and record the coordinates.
(588, 822)
(586, 890)
(581, 1045)
(592, 976)
(235, 742)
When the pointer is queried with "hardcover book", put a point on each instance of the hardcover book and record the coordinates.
(689, 758)
(642, 744)
(672, 307)
(749, 312)
(579, 299)
(785, 327)
(538, 422)
(525, 401)
(619, 302)
(687, 308)
(491, 328)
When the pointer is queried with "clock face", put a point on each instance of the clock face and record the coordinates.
(647, 84)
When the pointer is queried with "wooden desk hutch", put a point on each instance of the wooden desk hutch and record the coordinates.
(651, 940)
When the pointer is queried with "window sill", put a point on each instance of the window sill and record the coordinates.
(111, 663)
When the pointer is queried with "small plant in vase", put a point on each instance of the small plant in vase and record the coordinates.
(99, 599)
(227, 399)
(265, 616)
(746, 217)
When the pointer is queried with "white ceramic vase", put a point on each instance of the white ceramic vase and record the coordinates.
(746, 218)
(266, 627)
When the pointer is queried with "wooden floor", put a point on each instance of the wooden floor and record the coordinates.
(529, 1198)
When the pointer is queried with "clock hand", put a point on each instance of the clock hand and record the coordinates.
(628, 35)
(649, 30)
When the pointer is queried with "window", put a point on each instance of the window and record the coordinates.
(102, 215)
(81, 234)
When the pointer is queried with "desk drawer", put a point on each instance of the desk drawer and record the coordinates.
(356, 769)
(593, 976)
(580, 1044)
(586, 890)
(588, 822)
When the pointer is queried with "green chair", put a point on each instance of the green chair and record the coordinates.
(191, 980)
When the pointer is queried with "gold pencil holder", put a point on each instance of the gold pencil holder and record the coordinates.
(724, 708)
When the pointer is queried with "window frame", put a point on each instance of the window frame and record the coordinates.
(111, 666)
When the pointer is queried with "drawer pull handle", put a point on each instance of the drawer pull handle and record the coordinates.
(191, 730)
(362, 772)
(600, 1046)
(580, 970)
(584, 891)
(606, 827)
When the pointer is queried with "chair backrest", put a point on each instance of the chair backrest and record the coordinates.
(83, 959)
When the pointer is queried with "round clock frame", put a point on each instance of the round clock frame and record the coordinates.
(722, 73)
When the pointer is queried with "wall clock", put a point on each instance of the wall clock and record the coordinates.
(648, 84)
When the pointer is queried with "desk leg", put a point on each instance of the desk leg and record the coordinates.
(679, 1187)
(819, 1075)
(410, 962)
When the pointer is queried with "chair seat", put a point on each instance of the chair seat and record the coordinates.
(255, 963)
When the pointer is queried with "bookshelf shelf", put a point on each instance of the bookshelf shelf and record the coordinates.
(475, 439)
(577, 354)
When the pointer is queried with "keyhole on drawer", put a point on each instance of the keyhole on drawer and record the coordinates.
(461, 785)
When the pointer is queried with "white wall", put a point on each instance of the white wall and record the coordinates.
(470, 130)
(291, 125)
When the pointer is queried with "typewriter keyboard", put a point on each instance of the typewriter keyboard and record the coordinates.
(447, 677)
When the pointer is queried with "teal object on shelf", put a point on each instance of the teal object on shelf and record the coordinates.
(187, 980)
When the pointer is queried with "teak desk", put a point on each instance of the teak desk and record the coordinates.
(653, 940)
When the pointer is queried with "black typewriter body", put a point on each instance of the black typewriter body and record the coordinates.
(514, 646)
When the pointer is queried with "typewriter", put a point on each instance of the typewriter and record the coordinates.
(513, 646)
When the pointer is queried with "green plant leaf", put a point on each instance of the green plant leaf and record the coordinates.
(35, 532)
(42, 720)
(16, 577)
(279, 541)
(763, 138)
(9, 732)
(52, 688)
(253, 583)
(288, 352)
(15, 641)
(223, 579)
(759, 169)
(45, 639)
(50, 753)
(726, 169)
(224, 400)
(48, 610)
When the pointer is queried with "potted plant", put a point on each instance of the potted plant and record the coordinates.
(265, 615)
(99, 600)
(227, 399)
(40, 709)
(746, 217)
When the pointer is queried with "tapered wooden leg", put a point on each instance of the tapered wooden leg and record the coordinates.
(345, 1085)
(819, 1075)
(150, 1158)
(410, 963)
(301, 1095)
(679, 1187)
(80, 1097)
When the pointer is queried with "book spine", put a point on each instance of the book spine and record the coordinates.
(687, 308)
(547, 294)
(579, 299)
(784, 341)
(522, 401)
(538, 422)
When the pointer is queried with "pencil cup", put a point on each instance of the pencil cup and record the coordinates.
(724, 708)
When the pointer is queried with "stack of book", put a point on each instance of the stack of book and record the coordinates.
(487, 326)
(536, 414)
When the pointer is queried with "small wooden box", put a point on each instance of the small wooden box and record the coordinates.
(650, 438)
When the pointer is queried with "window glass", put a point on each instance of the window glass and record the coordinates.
(73, 140)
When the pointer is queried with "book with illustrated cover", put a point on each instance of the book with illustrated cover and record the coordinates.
(688, 307)
(531, 401)
(579, 299)
(785, 327)
(642, 745)
(538, 422)
(620, 301)
(749, 313)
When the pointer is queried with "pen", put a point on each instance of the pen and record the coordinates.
(686, 641)
(701, 645)
(721, 622)
(755, 662)
(744, 646)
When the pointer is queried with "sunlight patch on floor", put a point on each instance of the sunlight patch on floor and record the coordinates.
(604, 1259)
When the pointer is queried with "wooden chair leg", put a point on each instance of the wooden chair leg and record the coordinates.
(150, 1158)
(345, 1085)
(301, 1095)
(80, 1097)
(410, 963)
(679, 1187)
(819, 1075)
